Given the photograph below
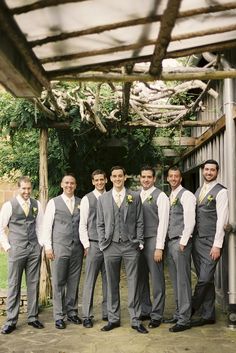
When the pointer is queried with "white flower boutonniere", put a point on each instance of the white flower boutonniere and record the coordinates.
(210, 198)
(175, 201)
(129, 199)
(78, 206)
(34, 211)
(149, 199)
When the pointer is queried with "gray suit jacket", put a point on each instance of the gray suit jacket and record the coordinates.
(133, 218)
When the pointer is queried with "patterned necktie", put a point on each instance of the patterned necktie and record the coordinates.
(118, 200)
(203, 193)
(25, 207)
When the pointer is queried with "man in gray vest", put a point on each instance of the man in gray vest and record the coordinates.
(212, 216)
(156, 217)
(63, 247)
(120, 234)
(94, 256)
(179, 246)
(23, 217)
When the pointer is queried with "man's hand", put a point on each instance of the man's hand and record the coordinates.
(86, 251)
(215, 253)
(158, 254)
(141, 246)
(50, 254)
(181, 247)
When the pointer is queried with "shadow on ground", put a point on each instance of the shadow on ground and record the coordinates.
(208, 339)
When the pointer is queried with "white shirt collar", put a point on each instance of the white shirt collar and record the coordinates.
(97, 193)
(121, 192)
(177, 190)
(66, 198)
(22, 201)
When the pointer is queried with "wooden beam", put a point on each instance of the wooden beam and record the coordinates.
(207, 136)
(176, 141)
(211, 132)
(186, 123)
(164, 36)
(15, 75)
(168, 152)
(40, 5)
(206, 74)
(10, 29)
(128, 23)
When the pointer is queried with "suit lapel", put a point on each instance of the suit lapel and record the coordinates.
(126, 206)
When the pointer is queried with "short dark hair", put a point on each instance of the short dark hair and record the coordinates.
(24, 179)
(211, 161)
(175, 168)
(148, 167)
(97, 172)
(70, 175)
(116, 167)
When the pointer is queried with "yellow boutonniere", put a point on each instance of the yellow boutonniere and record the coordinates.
(209, 199)
(129, 199)
(34, 211)
(175, 201)
(149, 199)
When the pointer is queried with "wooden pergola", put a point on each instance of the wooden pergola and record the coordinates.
(105, 41)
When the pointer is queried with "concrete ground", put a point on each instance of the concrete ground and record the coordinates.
(208, 339)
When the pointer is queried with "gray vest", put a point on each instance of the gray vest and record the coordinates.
(206, 217)
(66, 225)
(119, 226)
(22, 228)
(150, 213)
(92, 217)
(176, 217)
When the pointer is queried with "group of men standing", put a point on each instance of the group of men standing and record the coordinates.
(111, 227)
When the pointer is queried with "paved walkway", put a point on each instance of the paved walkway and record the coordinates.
(208, 339)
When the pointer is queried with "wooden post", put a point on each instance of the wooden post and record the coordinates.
(45, 289)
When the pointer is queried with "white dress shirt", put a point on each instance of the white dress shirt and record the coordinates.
(83, 224)
(49, 219)
(222, 211)
(5, 215)
(188, 201)
(163, 214)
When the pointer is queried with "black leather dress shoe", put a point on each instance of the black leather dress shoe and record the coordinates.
(110, 326)
(140, 328)
(144, 317)
(36, 324)
(60, 324)
(170, 321)
(179, 328)
(104, 318)
(202, 322)
(154, 323)
(75, 319)
(8, 329)
(88, 323)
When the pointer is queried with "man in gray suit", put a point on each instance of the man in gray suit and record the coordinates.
(23, 217)
(63, 247)
(156, 217)
(212, 216)
(179, 246)
(120, 234)
(94, 256)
